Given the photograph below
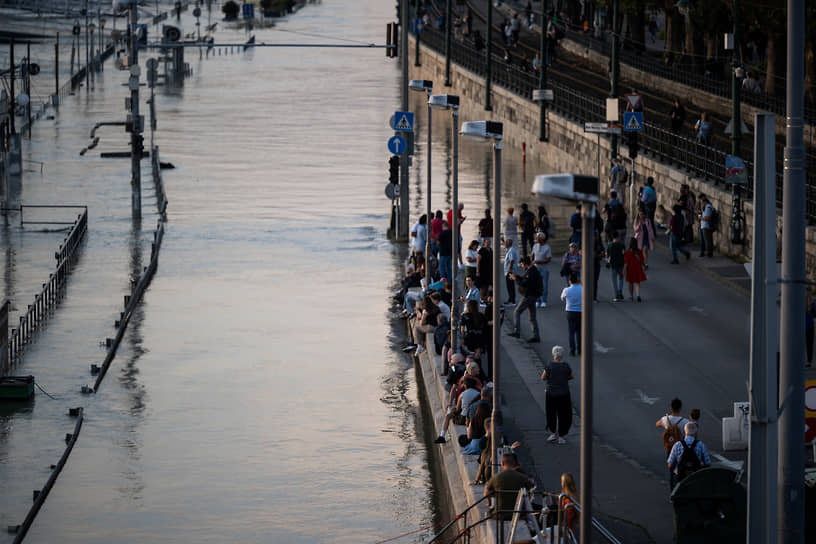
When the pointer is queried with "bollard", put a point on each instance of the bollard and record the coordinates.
(74, 412)
(87, 390)
(108, 342)
(94, 369)
(68, 437)
(36, 494)
(127, 301)
(13, 529)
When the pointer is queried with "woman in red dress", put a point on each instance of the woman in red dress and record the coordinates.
(633, 269)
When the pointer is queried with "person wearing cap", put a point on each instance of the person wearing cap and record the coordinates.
(571, 262)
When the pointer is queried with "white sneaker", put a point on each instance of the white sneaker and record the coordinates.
(420, 349)
(543, 304)
(552, 438)
(561, 440)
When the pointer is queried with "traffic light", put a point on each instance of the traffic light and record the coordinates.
(632, 143)
(393, 169)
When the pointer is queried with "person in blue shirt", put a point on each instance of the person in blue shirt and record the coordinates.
(572, 297)
(690, 441)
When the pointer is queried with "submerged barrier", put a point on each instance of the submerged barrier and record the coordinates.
(53, 289)
(41, 494)
(131, 301)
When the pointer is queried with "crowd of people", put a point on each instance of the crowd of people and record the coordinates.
(460, 320)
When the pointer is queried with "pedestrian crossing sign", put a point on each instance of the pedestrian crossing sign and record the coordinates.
(633, 121)
(404, 121)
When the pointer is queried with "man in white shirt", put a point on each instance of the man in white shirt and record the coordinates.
(572, 297)
(511, 259)
(542, 255)
(707, 234)
(418, 233)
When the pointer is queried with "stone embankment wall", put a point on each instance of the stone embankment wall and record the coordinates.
(570, 149)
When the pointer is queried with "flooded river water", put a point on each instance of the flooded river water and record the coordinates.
(258, 395)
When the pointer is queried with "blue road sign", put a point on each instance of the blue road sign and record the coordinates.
(397, 145)
(403, 121)
(248, 11)
(633, 121)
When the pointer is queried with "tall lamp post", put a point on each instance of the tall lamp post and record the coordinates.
(423, 85)
(583, 189)
(451, 102)
(490, 131)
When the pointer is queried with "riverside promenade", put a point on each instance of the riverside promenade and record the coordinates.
(688, 338)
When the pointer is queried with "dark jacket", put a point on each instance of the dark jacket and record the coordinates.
(530, 284)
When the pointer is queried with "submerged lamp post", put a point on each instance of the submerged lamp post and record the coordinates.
(490, 131)
(583, 189)
(451, 102)
(426, 86)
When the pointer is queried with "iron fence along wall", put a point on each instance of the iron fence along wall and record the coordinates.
(52, 291)
(697, 159)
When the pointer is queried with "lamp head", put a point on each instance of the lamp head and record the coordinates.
(572, 187)
(481, 131)
(420, 85)
(444, 101)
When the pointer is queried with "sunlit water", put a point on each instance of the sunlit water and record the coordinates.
(258, 395)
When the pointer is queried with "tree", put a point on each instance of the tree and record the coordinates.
(231, 10)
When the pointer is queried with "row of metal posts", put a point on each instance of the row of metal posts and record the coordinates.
(51, 292)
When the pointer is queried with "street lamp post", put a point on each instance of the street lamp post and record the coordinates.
(583, 189)
(490, 131)
(426, 86)
(451, 102)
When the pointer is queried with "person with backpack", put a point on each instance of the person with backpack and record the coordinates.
(676, 229)
(530, 287)
(615, 217)
(707, 226)
(673, 425)
(688, 455)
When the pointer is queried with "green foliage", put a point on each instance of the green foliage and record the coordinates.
(231, 9)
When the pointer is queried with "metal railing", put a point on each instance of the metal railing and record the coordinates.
(685, 74)
(79, 76)
(698, 159)
(52, 291)
(131, 301)
(158, 182)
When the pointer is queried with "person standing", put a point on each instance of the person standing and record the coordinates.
(633, 269)
(572, 298)
(706, 232)
(527, 220)
(542, 255)
(558, 403)
(510, 227)
(418, 234)
(676, 229)
(576, 226)
(688, 455)
(615, 252)
(678, 115)
(649, 199)
(460, 219)
(673, 425)
(643, 232)
(470, 259)
(511, 259)
(530, 290)
(446, 252)
(484, 265)
(436, 228)
(486, 227)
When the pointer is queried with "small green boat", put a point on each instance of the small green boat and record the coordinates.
(16, 387)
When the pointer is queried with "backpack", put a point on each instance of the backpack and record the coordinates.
(689, 462)
(617, 216)
(715, 219)
(671, 434)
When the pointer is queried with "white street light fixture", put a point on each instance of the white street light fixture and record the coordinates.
(423, 85)
(583, 189)
(444, 102)
(491, 131)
